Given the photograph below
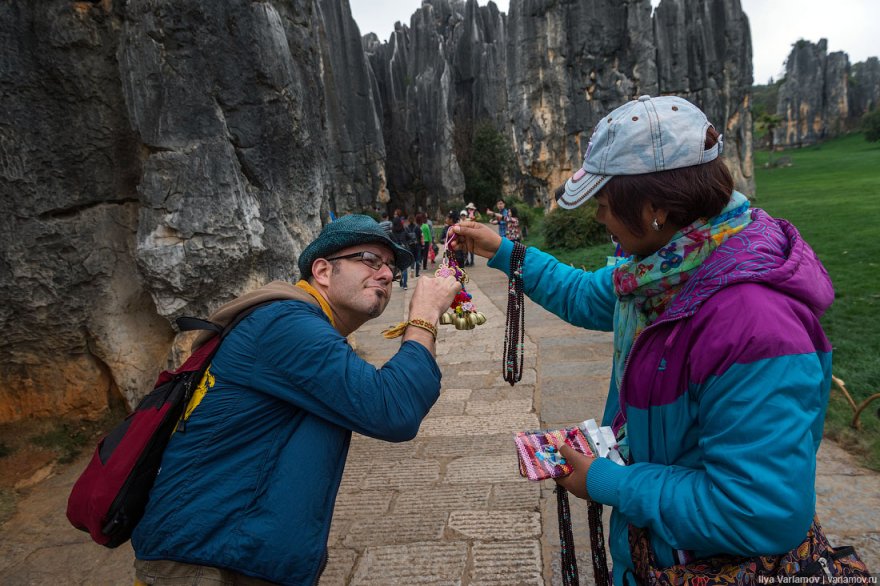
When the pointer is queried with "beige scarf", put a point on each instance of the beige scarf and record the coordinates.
(302, 291)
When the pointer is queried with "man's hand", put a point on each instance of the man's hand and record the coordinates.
(576, 482)
(433, 296)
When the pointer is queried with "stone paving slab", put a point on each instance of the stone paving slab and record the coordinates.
(515, 495)
(362, 503)
(443, 498)
(489, 445)
(429, 563)
(499, 406)
(496, 525)
(469, 469)
(504, 563)
(398, 528)
(478, 424)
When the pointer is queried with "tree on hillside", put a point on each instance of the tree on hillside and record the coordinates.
(489, 160)
(871, 125)
(767, 123)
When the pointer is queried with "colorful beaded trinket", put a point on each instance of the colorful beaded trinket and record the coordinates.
(464, 314)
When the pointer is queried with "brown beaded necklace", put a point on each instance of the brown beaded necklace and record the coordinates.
(597, 544)
(514, 329)
(566, 539)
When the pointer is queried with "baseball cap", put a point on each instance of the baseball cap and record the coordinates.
(642, 136)
(348, 231)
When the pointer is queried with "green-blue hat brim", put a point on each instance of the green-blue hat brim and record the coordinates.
(349, 231)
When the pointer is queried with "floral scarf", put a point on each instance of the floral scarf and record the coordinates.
(646, 286)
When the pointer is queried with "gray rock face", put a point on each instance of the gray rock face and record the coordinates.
(156, 158)
(223, 98)
(823, 96)
(864, 87)
(704, 54)
(73, 309)
(560, 66)
(357, 149)
(569, 64)
(414, 80)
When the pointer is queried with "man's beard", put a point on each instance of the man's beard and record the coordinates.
(378, 306)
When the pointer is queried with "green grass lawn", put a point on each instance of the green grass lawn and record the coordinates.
(831, 192)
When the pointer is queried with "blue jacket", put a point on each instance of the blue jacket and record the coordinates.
(251, 484)
(723, 396)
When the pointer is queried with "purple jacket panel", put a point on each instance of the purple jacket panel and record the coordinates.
(766, 271)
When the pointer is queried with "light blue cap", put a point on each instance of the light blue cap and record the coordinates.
(642, 136)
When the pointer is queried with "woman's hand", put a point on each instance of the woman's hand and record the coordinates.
(476, 237)
(576, 482)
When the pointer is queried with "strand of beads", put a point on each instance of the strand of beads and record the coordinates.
(464, 314)
(566, 539)
(514, 331)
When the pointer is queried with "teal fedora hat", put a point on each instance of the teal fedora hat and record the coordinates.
(348, 231)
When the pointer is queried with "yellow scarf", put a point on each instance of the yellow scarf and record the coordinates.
(325, 307)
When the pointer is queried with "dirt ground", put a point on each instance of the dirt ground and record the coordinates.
(32, 450)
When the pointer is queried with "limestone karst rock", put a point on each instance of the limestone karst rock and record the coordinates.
(156, 158)
(546, 73)
(823, 95)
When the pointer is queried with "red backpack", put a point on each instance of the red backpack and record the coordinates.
(110, 496)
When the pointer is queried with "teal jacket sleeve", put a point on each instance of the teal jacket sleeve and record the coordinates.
(582, 298)
(755, 425)
(303, 360)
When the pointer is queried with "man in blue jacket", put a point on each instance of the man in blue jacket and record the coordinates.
(245, 494)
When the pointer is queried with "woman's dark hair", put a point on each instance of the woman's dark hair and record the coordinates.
(397, 224)
(688, 193)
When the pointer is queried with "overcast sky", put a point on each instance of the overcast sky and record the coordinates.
(850, 26)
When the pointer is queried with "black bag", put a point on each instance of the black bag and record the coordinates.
(110, 496)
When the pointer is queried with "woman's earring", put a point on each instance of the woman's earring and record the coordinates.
(656, 225)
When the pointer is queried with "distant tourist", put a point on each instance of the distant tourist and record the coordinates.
(385, 224)
(499, 217)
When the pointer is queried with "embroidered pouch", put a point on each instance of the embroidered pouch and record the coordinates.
(539, 458)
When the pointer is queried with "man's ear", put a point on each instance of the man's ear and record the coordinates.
(321, 270)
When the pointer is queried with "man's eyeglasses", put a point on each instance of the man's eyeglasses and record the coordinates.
(372, 260)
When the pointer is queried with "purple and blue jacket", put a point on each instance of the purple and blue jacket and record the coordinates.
(723, 397)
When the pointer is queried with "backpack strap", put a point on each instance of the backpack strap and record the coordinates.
(187, 323)
(194, 323)
(238, 318)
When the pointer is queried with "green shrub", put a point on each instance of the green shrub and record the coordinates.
(488, 160)
(871, 125)
(573, 228)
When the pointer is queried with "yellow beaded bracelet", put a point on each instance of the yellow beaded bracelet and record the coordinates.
(397, 331)
(425, 325)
